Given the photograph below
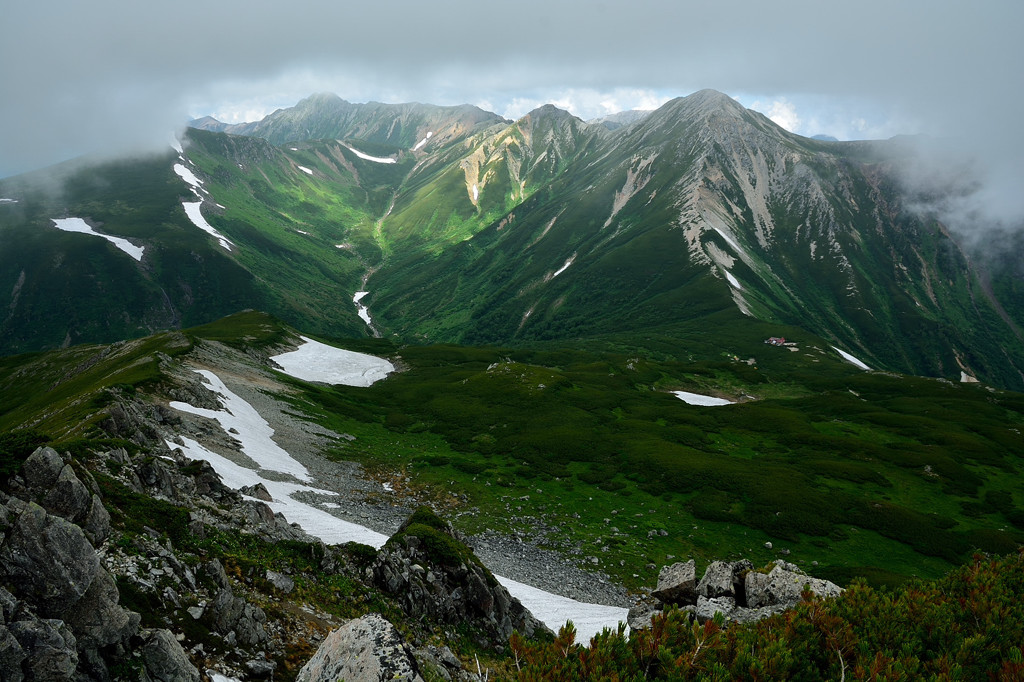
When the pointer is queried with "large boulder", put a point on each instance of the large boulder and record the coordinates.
(368, 649)
(784, 585)
(433, 573)
(677, 584)
(47, 560)
(165, 660)
(724, 579)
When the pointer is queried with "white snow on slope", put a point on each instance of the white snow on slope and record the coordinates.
(192, 210)
(79, 225)
(698, 399)
(565, 267)
(732, 280)
(423, 141)
(367, 157)
(315, 361)
(729, 240)
(188, 176)
(305, 170)
(363, 311)
(552, 609)
(8, 201)
(254, 432)
(849, 358)
(476, 193)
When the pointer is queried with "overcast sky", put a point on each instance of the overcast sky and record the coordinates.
(116, 75)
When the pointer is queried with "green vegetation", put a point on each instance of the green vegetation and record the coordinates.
(966, 626)
(865, 473)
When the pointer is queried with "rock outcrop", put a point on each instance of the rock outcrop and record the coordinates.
(367, 649)
(432, 573)
(63, 620)
(730, 588)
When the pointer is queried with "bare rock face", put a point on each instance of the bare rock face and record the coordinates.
(433, 573)
(368, 649)
(47, 560)
(677, 584)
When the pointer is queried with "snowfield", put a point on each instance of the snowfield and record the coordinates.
(8, 201)
(698, 399)
(367, 157)
(257, 441)
(849, 358)
(79, 225)
(315, 361)
(192, 210)
(305, 170)
(732, 280)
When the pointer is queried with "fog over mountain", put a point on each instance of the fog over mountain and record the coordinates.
(119, 77)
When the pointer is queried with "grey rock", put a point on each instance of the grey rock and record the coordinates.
(97, 619)
(677, 584)
(97, 522)
(426, 585)
(165, 660)
(280, 581)
(368, 649)
(215, 571)
(68, 497)
(707, 607)
(48, 561)
(41, 469)
(640, 615)
(50, 649)
(725, 579)
(259, 491)
(228, 615)
(260, 670)
(11, 657)
(784, 585)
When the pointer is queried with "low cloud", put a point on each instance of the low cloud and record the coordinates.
(110, 75)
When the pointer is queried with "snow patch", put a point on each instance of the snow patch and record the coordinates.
(728, 240)
(849, 358)
(192, 210)
(305, 170)
(565, 267)
(698, 399)
(8, 201)
(79, 225)
(423, 141)
(188, 176)
(253, 431)
(476, 193)
(732, 280)
(303, 232)
(367, 157)
(966, 378)
(552, 609)
(363, 311)
(315, 361)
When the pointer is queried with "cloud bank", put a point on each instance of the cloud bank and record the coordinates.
(115, 75)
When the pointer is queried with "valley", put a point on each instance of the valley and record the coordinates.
(593, 352)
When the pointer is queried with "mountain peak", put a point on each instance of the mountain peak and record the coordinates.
(549, 111)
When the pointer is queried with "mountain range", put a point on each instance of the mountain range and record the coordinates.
(550, 332)
(465, 227)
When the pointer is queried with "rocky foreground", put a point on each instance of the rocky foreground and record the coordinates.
(197, 612)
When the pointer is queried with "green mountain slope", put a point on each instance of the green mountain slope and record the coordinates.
(464, 227)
